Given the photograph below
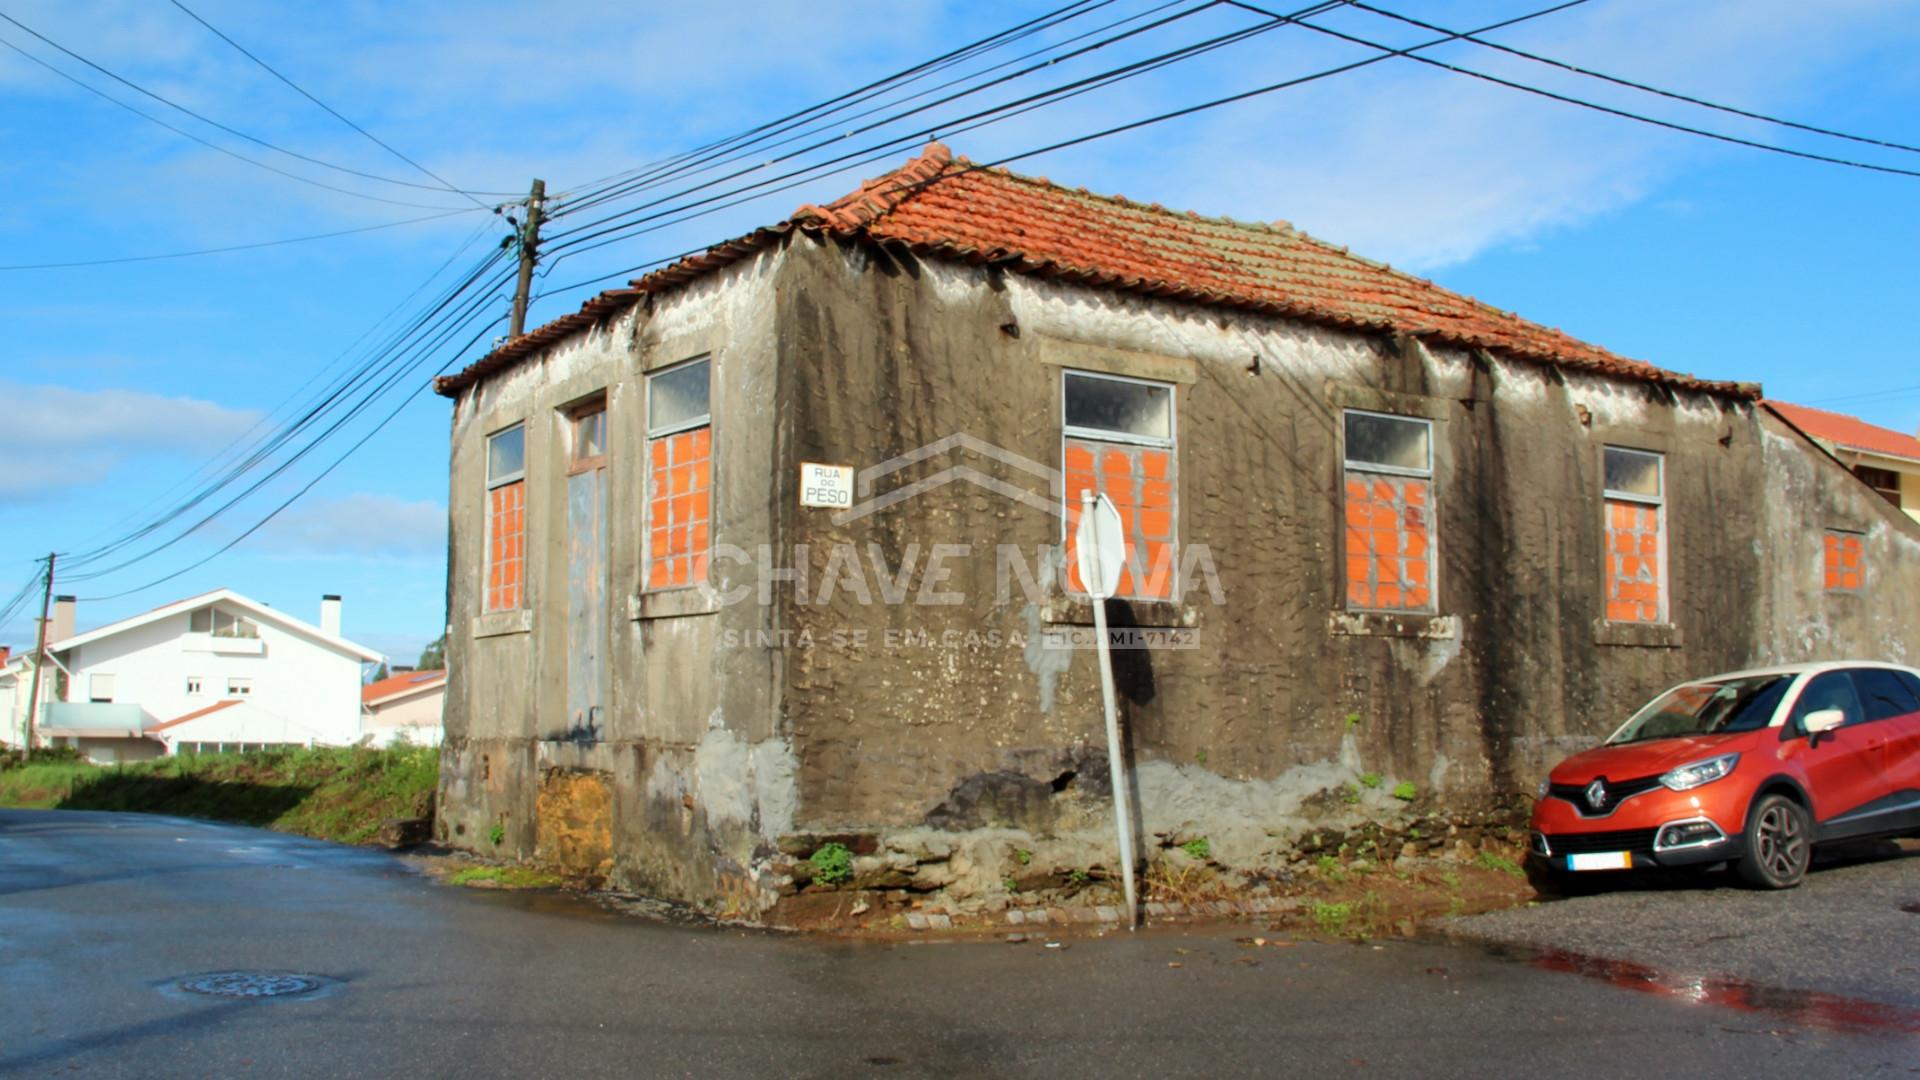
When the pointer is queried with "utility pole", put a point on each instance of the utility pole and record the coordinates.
(529, 251)
(39, 659)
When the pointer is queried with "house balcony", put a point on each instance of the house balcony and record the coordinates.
(92, 719)
(223, 643)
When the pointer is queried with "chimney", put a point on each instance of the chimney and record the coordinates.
(330, 614)
(60, 623)
(6, 651)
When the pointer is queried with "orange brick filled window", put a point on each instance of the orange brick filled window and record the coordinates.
(1636, 533)
(1389, 512)
(506, 560)
(1845, 561)
(679, 535)
(1119, 442)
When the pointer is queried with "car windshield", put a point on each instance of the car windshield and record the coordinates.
(1716, 707)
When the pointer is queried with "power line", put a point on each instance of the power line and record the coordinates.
(211, 466)
(185, 134)
(836, 104)
(1891, 392)
(689, 212)
(1593, 105)
(972, 120)
(309, 486)
(372, 370)
(1107, 132)
(935, 104)
(329, 109)
(1618, 81)
(380, 360)
(235, 247)
(275, 441)
(235, 132)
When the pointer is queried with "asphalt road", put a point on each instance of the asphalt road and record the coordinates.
(1847, 930)
(102, 914)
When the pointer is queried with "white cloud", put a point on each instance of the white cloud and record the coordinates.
(58, 438)
(360, 525)
(1429, 168)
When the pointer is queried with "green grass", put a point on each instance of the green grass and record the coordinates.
(506, 877)
(1487, 860)
(1331, 918)
(331, 793)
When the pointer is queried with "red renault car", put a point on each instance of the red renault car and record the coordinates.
(1751, 769)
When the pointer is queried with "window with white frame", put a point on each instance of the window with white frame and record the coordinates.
(99, 687)
(679, 507)
(1387, 472)
(1634, 491)
(239, 688)
(1118, 439)
(195, 686)
(506, 555)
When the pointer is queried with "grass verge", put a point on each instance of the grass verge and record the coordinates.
(505, 877)
(330, 793)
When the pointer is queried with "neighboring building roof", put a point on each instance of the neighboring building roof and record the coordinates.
(1850, 432)
(407, 682)
(194, 715)
(948, 207)
(254, 607)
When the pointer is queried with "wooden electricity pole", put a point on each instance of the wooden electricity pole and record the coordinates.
(529, 250)
(39, 660)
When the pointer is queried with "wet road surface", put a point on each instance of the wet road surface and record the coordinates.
(1847, 931)
(101, 915)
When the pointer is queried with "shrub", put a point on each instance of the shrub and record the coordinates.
(832, 863)
(1198, 848)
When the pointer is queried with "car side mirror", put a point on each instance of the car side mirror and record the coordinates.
(1821, 721)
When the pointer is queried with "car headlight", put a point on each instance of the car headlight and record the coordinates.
(1546, 785)
(1695, 773)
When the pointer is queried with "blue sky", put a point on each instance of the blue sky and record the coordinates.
(120, 383)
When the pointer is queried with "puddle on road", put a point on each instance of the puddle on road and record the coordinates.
(1806, 1008)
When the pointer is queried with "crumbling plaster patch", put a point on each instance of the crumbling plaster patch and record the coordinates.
(1074, 313)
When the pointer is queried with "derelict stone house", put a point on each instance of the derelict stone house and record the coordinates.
(1374, 527)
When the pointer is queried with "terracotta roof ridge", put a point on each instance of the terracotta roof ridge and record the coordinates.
(879, 196)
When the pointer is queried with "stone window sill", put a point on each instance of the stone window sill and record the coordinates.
(501, 623)
(674, 603)
(1636, 635)
(1078, 611)
(1393, 624)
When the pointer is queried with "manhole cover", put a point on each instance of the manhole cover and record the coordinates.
(251, 984)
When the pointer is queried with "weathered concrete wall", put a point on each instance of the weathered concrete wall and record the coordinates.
(1286, 697)
(936, 731)
(688, 776)
(1809, 493)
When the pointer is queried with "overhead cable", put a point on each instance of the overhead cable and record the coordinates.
(1618, 81)
(330, 110)
(236, 155)
(209, 121)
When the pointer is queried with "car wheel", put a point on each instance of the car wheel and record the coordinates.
(1779, 844)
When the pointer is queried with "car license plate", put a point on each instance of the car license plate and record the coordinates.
(1601, 860)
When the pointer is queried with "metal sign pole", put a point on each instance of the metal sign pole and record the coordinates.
(1099, 590)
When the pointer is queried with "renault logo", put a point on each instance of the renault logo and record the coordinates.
(1597, 794)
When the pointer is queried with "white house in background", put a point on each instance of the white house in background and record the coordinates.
(404, 707)
(210, 673)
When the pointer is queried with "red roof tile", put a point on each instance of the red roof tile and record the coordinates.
(1849, 431)
(946, 207)
(195, 715)
(398, 684)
